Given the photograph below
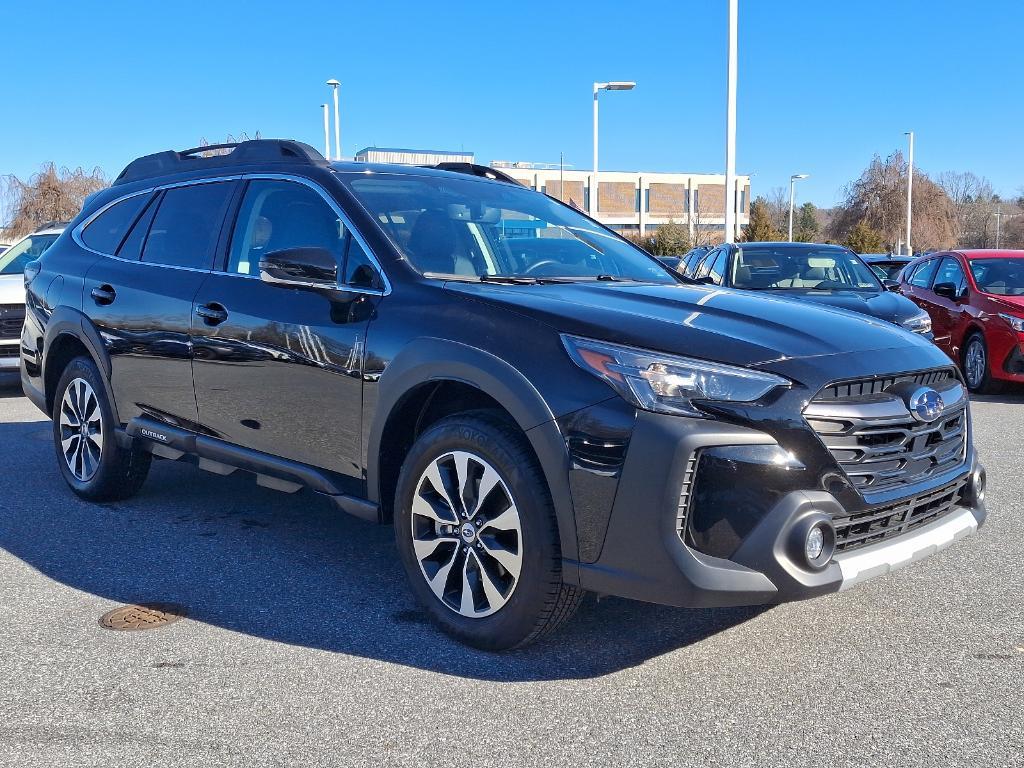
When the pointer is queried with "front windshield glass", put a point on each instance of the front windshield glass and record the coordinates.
(1002, 277)
(783, 267)
(479, 229)
(13, 261)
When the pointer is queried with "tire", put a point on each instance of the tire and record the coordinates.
(501, 539)
(975, 367)
(95, 469)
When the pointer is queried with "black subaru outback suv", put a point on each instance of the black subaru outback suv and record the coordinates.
(540, 408)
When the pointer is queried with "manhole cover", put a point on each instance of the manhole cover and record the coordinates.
(144, 616)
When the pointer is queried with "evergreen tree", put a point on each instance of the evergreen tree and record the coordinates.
(863, 239)
(760, 228)
(671, 239)
(805, 227)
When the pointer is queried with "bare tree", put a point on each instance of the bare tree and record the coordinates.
(878, 198)
(49, 195)
(777, 207)
(974, 202)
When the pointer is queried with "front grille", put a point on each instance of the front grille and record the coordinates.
(12, 317)
(874, 525)
(870, 433)
(866, 387)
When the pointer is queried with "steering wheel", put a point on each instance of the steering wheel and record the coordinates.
(540, 265)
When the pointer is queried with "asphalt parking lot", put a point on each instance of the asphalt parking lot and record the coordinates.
(303, 646)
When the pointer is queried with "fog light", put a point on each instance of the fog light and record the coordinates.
(979, 484)
(815, 544)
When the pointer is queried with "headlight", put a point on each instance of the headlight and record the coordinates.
(664, 383)
(1017, 323)
(921, 323)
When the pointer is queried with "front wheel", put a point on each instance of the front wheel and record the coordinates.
(976, 367)
(92, 463)
(476, 531)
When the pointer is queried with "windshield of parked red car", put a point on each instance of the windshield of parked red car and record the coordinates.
(13, 261)
(1002, 277)
(465, 227)
(809, 268)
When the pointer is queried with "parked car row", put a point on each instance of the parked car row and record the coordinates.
(539, 407)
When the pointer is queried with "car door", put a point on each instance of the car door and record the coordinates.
(948, 314)
(918, 283)
(140, 299)
(278, 368)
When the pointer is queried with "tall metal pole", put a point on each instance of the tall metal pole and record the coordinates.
(592, 208)
(337, 125)
(999, 217)
(730, 129)
(910, 191)
(327, 133)
(792, 185)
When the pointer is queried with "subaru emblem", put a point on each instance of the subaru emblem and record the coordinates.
(925, 404)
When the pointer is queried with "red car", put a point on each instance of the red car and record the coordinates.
(976, 302)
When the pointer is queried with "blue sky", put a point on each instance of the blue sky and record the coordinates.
(822, 85)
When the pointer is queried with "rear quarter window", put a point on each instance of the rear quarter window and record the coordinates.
(106, 231)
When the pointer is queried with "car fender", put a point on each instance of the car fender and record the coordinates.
(66, 321)
(433, 359)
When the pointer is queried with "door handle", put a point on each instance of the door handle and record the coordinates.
(103, 294)
(212, 313)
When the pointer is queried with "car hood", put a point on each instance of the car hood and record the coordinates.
(12, 289)
(1012, 303)
(729, 326)
(885, 305)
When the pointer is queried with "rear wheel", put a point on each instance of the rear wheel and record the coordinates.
(91, 461)
(476, 532)
(976, 367)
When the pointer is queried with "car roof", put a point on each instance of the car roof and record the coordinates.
(989, 253)
(873, 258)
(770, 244)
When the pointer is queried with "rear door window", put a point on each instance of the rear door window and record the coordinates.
(186, 226)
(106, 231)
(922, 276)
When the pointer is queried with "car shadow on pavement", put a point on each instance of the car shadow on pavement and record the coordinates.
(289, 569)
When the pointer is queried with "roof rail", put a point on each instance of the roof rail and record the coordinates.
(242, 153)
(473, 169)
(50, 225)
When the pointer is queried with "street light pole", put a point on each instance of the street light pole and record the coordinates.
(619, 85)
(335, 85)
(792, 184)
(730, 128)
(327, 133)
(910, 191)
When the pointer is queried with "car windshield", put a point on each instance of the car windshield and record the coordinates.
(477, 229)
(809, 269)
(13, 261)
(1002, 277)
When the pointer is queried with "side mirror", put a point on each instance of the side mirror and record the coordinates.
(946, 290)
(309, 267)
(890, 285)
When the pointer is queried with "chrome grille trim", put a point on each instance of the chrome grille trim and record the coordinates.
(876, 441)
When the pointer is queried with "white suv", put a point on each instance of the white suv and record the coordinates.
(12, 289)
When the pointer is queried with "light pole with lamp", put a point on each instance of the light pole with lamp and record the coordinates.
(620, 85)
(335, 85)
(792, 184)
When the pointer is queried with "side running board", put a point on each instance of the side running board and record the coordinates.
(223, 458)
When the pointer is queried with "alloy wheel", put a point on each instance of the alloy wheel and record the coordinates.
(466, 534)
(81, 429)
(975, 363)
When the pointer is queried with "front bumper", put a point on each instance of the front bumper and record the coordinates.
(9, 356)
(644, 556)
